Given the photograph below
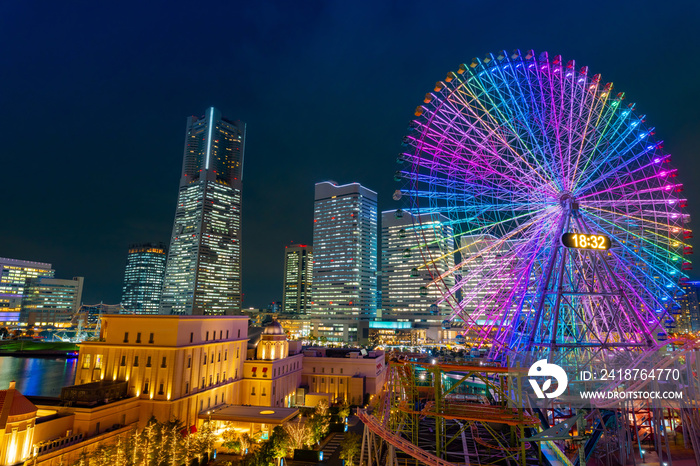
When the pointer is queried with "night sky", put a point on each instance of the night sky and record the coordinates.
(94, 101)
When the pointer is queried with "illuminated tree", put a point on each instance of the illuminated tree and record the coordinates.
(298, 433)
(350, 448)
(344, 410)
(319, 422)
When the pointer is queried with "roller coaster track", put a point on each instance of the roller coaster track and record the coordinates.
(661, 364)
(401, 443)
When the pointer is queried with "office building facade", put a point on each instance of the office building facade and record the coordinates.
(487, 275)
(411, 290)
(344, 283)
(203, 271)
(143, 278)
(14, 275)
(687, 318)
(51, 301)
(298, 272)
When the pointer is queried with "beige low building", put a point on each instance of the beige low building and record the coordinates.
(272, 372)
(17, 426)
(189, 368)
(177, 366)
(343, 374)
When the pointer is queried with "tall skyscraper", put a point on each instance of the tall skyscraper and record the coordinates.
(408, 291)
(51, 301)
(14, 275)
(143, 278)
(687, 318)
(203, 273)
(344, 284)
(298, 270)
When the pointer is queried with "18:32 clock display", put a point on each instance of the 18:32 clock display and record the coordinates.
(585, 241)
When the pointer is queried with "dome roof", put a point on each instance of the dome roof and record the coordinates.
(273, 328)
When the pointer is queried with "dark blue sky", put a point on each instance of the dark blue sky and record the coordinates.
(94, 100)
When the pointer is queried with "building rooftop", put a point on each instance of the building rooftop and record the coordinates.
(258, 414)
(14, 403)
(273, 328)
(322, 352)
(174, 316)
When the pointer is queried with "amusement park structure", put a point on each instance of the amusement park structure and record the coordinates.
(571, 246)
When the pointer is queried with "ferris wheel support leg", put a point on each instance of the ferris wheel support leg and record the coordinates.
(563, 224)
(647, 334)
(557, 303)
(582, 443)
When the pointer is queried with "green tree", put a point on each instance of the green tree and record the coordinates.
(319, 422)
(203, 441)
(4, 333)
(350, 448)
(279, 442)
(231, 441)
(344, 410)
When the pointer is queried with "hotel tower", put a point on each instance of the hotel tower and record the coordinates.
(344, 284)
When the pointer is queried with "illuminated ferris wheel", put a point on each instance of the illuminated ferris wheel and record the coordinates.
(568, 219)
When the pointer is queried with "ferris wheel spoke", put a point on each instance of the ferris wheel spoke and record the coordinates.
(553, 111)
(649, 149)
(616, 214)
(664, 261)
(615, 201)
(617, 187)
(466, 261)
(540, 100)
(585, 134)
(521, 114)
(506, 116)
(589, 145)
(483, 158)
(485, 191)
(639, 174)
(610, 112)
(492, 127)
(486, 172)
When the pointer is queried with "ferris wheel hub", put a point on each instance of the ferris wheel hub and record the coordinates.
(567, 200)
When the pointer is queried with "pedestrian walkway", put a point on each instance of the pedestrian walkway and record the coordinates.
(332, 445)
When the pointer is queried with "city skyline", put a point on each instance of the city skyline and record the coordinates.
(307, 80)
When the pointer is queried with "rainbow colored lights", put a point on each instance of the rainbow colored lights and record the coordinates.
(517, 150)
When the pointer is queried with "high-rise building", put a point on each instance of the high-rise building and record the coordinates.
(687, 318)
(51, 301)
(410, 291)
(143, 278)
(14, 275)
(487, 274)
(298, 270)
(203, 272)
(344, 283)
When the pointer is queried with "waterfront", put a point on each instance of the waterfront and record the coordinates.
(37, 376)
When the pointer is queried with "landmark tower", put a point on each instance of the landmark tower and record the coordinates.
(203, 272)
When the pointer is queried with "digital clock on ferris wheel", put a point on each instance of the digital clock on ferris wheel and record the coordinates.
(585, 241)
